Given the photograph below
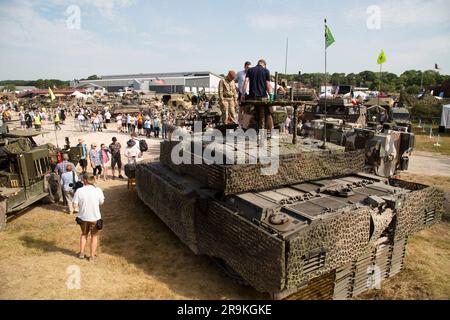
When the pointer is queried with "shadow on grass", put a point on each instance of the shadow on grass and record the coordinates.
(44, 246)
(132, 231)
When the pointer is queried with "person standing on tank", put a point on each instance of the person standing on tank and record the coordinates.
(258, 83)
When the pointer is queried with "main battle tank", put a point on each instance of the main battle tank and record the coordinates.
(25, 175)
(317, 228)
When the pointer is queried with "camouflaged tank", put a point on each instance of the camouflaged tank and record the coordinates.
(25, 176)
(317, 228)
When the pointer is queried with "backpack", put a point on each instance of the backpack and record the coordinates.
(131, 143)
(143, 145)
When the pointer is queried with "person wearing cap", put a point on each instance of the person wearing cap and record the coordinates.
(228, 98)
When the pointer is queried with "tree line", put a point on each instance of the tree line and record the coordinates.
(40, 83)
(411, 81)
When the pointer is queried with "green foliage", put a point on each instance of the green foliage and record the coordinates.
(93, 77)
(410, 80)
(425, 108)
(414, 89)
(50, 83)
(40, 84)
(9, 88)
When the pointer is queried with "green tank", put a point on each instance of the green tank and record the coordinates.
(25, 173)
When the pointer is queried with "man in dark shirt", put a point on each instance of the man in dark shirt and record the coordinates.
(259, 78)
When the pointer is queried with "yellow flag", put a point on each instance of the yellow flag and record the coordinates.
(381, 58)
(52, 96)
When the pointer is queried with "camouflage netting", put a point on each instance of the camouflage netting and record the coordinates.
(346, 241)
(172, 198)
(330, 243)
(420, 209)
(252, 252)
(378, 264)
(312, 164)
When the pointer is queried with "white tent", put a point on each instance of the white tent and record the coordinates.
(357, 94)
(445, 119)
(79, 95)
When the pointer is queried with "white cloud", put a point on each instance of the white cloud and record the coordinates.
(33, 46)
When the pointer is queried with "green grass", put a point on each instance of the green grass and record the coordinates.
(424, 143)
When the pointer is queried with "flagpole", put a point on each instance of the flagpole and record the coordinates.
(379, 85)
(286, 63)
(325, 122)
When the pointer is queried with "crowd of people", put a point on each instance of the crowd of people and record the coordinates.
(80, 193)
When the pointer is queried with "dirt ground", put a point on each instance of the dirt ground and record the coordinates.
(140, 258)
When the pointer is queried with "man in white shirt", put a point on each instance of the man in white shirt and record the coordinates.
(132, 151)
(240, 77)
(89, 199)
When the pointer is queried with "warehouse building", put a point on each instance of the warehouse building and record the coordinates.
(166, 83)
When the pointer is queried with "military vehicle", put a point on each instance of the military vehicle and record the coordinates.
(401, 118)
(56, 154)
(179, 103)
(398, 117)
(25, 173)
(338, 108)
(387, 149)
(316, 228)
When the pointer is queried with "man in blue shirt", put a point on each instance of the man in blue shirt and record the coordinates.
(68, 180)
(258, 82)
(61, 167)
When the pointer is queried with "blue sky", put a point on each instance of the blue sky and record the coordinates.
(140, 36)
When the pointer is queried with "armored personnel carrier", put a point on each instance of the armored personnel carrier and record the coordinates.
(316, 228)
(387, 150)
(25, 175)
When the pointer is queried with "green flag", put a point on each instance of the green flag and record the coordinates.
(381, 58)
(329, 39)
